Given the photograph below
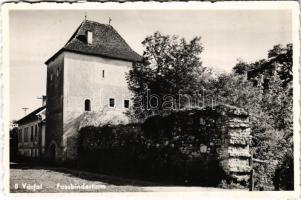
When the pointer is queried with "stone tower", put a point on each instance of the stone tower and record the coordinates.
(87, 74)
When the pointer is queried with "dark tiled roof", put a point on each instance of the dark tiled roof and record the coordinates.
(106, 42)
(31, 116)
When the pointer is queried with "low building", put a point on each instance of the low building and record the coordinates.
(31, 134)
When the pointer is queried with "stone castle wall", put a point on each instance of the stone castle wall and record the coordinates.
(207, 145)
(234, 154)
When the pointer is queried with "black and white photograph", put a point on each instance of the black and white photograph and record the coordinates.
(152, 97)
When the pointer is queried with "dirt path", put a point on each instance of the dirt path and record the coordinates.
(52, 180)
(42, 180)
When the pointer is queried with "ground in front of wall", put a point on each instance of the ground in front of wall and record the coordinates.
(57, 180)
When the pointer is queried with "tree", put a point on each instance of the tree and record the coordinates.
(271, 122)
(277, 102)
(241, 68)
(280, 62)
(271, 113)
(172, 66)
(282, 58)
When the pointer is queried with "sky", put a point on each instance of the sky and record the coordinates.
(227, 35)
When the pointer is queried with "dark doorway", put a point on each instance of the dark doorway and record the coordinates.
(87, 105)
(52, 153)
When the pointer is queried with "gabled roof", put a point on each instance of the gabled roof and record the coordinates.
(31, 116)
(106, 43)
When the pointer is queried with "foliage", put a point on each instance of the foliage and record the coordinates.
(282, 58)
(280, 61)
(263, 87)
(285, 173)
(242, 67)
(172, 66)
(271, 111)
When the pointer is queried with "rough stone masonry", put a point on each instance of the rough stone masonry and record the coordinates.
(222, 130)
(234, 154)
(209, 144)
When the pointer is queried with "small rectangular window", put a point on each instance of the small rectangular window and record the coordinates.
(103, 73)
(87, 105)
(112, 102)
(51, 76)
(126, 103)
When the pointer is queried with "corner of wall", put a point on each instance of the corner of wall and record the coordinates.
(235, 150)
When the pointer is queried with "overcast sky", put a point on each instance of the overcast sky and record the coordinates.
(226, 36)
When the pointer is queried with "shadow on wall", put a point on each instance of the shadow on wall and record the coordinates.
(192, 147)
(88, 118)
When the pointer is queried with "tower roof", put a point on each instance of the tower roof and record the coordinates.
(106, 43)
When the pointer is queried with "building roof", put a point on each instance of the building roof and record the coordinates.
(106, 43)
(34, 115)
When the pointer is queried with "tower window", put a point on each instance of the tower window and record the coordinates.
(57, 72)
(51, 76)
(89, 37)
(112, 102)
(103, 74)
(87, 105)
(126, 103)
